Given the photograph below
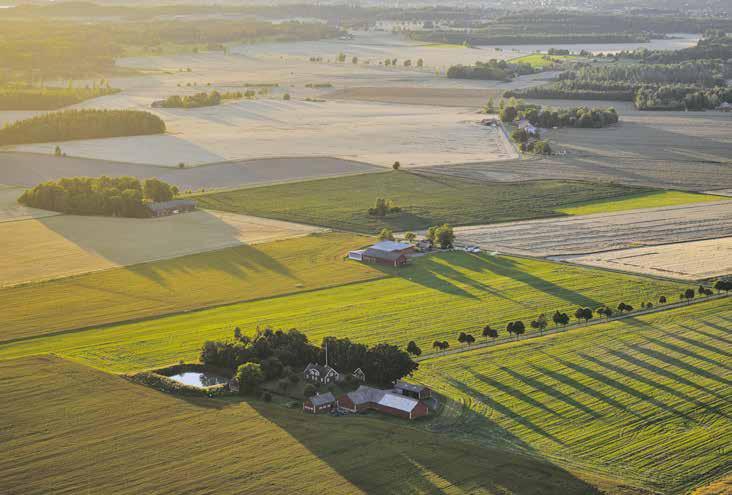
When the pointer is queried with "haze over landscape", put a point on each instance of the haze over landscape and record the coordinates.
(383, 247)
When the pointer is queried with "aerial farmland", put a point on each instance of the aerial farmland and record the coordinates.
(285, 248)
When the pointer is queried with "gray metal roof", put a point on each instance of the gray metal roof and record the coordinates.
(365, 394)
(391, 246)
(322, 399)
(409, 386)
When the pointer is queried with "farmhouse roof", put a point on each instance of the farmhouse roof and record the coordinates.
(409, 386)
(323, 370)
(365, 395)
(389, 246)
(384, 255)
(322, 399)
(400, 402)
(174, 203)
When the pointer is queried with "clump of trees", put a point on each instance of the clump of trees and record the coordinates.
(383, 207)
(548, 117)
(109, 196)
(201, 99)
(493, 70)
(269, 354)
(441, 235)
(68, 125)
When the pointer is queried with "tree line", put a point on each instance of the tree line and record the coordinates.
(25, 97)
(493, 70)
(557, 117)
(109, 196)
(560, 319)
(68, 125)
(272, 354)
(203, 99)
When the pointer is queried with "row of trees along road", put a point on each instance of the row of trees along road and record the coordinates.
(518, 328)
(109, 196)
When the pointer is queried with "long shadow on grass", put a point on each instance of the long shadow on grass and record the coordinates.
(650, 382)
(550, 391)
(379, 454)
(696, 343)
(716, 327)
(688, 353)
(618, 385)
(678, 363)
(508, 268)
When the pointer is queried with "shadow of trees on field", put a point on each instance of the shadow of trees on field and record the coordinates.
(378, 454)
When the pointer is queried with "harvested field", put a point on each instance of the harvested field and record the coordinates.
(604, 231)
(71, 429)
(648, 399)
(410, 305)
(672, 150)
(425, 200)
(182, 284)
(11, 211)
(268, 128)
(65, 245)
(29, 169)
(687, 260)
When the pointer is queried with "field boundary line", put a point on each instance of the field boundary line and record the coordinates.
(576, 326)
(179, 312)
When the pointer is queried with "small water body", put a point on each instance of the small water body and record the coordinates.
(199, 379)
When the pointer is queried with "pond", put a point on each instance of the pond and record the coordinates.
(199, 378)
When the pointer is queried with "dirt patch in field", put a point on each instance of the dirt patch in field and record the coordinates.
(11, 210)
(65, 245)
(604, 231)
(688, 260)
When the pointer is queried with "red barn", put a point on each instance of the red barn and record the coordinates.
(319, 403)
(368, 398)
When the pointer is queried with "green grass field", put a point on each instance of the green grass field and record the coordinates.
(66, 428)
(537, 60)
(653, 199)
(646, 399)
(425, 200)
(182, 284)
(436, 298)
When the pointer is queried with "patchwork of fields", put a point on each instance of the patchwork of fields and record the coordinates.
(604, 231)
(436, 298)
(425, 200)
(646, 399)
(64, 245)
(102, 434)
(182, 284)
(695, 260)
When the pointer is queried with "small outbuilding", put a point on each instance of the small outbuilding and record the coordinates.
(377, 256)
(419, 392)
(321, 403)
(172, 207)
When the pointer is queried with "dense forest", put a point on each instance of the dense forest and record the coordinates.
(33, 51)
(493, 70)
(68, 125)
(688, 83)
(109, 196)
(483, 38)
(24, 97)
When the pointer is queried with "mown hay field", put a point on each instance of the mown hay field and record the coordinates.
(425, 200)
(63, 245)
(436, 298)
(646, 399)
(71, 429)
(652, 199)
(182, 284)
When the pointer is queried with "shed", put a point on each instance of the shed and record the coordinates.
(172, 207)
(394, 258)
(320, 403)
(419, 392)
(368, 398)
